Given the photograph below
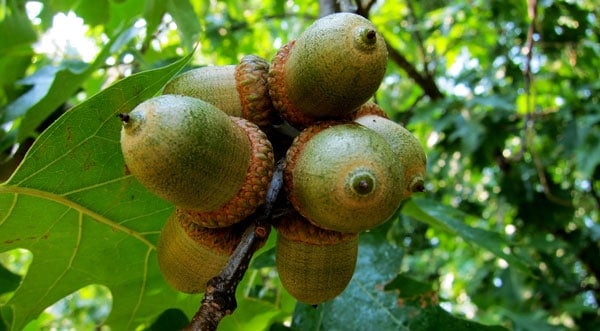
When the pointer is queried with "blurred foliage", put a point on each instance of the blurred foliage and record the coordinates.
(505, 100)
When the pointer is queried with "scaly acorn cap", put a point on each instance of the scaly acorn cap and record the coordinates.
(192, 154)
(343, 177)
(238, 90)
(409, 151)
(314, 265)
(369, 108)
(332, 68)
(189, 255)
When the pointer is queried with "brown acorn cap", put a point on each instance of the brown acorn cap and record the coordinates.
(277, 90)
(254, 188)
(343, 177)
(189, 255)
(314, 265)
(251, 76)
(369, 108)
(296, 228)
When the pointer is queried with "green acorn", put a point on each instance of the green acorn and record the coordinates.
(405, 145)
(331, 69)
(192, 154)
(343, 177)
(314, 265)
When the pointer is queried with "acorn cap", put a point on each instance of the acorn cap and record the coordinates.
(332, 68)
(189, 255)
(192, 154)
(369, 108)
(405, 145)
(343, 177)
(314, 265)
(251, 77)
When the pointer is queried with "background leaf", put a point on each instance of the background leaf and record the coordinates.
(54, 86)
(436, 318)
(454, 221)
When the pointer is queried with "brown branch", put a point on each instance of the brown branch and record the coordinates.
(595, 194)
(417, 35)
(219, 297)
(364, 9)
(425, 82)
(530, 100)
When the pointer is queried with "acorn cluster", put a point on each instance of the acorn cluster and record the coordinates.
(209, 142)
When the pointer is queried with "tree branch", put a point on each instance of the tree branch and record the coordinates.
(219, 297)
(417, 35)
(363, 9)
(425, 82)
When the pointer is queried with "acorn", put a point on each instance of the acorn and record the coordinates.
(238, 90)
(189, 255)
(409, 151)
(343, 177)
(192, 154)
(314, 265)
(331, 69)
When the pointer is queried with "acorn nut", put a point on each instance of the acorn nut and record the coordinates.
(314, 265)
(331, 69)
(238, 90)
(405, 145)
(192, 154)
(189, 255)
(343, 177)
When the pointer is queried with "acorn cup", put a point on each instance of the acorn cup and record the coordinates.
(192, 154)
(238, 90)
(331, 69)
(405, 145)
(343, 177)
(314, 265)
(189, 255)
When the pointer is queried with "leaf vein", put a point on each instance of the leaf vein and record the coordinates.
(69, 203)
(10, 209)
(71, 259)
(142, 288)
(378, 303)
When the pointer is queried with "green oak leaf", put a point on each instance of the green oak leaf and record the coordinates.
(83, 218)
(452, 221)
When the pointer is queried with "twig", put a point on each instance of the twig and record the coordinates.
(530, 100)
(419, 38)
(219, 297)
(595, 194)
(425, 82)
(364, 9)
